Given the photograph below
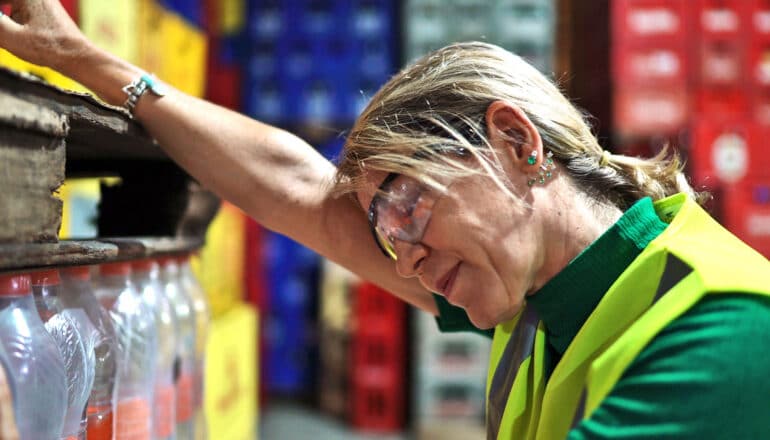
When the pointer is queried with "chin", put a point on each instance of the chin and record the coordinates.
(485, 321)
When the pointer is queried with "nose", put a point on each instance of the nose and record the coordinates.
(410, 258)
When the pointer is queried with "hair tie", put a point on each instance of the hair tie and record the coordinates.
(605, 160)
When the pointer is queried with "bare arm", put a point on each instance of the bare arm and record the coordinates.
(272, 175)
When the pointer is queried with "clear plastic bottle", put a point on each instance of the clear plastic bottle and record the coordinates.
(75, 337)
(77, 293)
(183, 307)
(136, 332)
(146, 276)
(35, 363)
(202, 313)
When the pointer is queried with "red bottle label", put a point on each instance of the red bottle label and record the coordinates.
(133, 420)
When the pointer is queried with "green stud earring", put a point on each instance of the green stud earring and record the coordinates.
(532, 159)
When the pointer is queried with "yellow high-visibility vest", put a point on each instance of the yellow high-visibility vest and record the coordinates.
(692, 257)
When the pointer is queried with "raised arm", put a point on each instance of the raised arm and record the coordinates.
(272, 175)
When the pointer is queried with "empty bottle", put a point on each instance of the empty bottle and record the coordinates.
(202, 313)
(35, 364)
(185, 316)
(75, 336)
(77, 293)
(136, 332)
(146, 276)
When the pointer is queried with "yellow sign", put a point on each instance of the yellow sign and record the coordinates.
(231, 375)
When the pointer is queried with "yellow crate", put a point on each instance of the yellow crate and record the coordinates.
(231, 375)
(112, 26)
(220, 264)
(185, 48)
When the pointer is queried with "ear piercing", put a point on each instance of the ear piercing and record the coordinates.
(546, 168)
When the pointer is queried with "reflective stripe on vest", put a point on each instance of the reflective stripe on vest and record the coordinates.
(519, 348)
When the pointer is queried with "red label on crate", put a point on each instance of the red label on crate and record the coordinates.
(184, 397)
(164, 419)
(132, 418)
(720, 20)
(651, 111)
(653, 21)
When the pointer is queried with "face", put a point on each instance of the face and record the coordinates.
(472, 244)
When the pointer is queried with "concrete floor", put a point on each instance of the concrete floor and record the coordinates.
(287, 421)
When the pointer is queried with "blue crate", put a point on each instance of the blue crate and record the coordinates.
(267, 19)
(190, 10)
(264, 100)
(290, 344)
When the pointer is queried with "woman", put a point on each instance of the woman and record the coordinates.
(614, 310)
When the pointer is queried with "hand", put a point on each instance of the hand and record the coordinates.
(41, 32)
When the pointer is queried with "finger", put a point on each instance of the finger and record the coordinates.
(8, 28)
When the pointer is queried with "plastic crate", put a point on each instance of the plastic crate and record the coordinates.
(650, 64)
(721, 152)
(650, 110)
(721, 19)
(746, 209)
(190, 10)
(759, 20)
(661, 22)
(377, 399)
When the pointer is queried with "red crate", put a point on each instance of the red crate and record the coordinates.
(759, 20)
(642, 22)
(723, 19)
(378, 400)
(721, 152)
(723, 103)
(746, 213)
(720, 63)
(378, 360)
(223, 79)
(650, 110)
(650, 64)
(760, 106)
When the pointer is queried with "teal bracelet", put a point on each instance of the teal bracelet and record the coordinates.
(136, 89)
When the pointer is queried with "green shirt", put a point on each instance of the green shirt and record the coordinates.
(706, 375)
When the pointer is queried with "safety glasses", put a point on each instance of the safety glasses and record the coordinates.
(400, 210)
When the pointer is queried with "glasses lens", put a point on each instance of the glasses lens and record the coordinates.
(385, 244)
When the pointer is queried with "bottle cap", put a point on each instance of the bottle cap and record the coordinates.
(82, 273)
(121, 268)
(48, 277)
(15, 285)
(143, 265)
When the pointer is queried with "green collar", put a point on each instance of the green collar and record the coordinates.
(566, 301)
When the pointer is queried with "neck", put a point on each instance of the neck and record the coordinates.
(574, 223)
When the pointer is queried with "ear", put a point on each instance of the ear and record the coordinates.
(512, 133)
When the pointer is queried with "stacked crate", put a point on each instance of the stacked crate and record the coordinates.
(316, 61)
(701, 68)
(524, 27)
(378, 360)
(451, 372)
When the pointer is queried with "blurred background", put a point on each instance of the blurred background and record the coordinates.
(331, 356)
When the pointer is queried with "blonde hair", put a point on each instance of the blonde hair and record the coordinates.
(438, 104)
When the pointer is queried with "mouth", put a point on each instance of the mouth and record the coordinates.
(444, 285)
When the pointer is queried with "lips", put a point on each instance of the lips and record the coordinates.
(444, 285)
